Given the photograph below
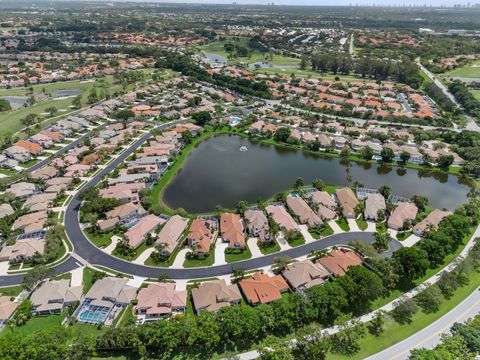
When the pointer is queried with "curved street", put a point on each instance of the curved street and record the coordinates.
(85, 252)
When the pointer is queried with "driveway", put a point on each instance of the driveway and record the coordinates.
(180, 259)
(336, 229)
(306, 235)
(220, 247)
(254, 249)
(144, 256)
(353, 225)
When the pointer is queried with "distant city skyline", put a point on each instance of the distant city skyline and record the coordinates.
(396, 3)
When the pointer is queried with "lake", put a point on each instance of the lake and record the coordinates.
(217, 172)
(66, 92)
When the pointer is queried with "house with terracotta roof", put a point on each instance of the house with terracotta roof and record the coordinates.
(231, 229)
(214, 295)
(171, 233)
(160, 300)
(338, 261)
(304, 274)
(302, 211)
(405, 211)
(431, 221)
(33, 148)
(263, 289)
(322, 198)
(201, 236)
(136, 235)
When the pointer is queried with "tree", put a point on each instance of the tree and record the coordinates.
(242, 206)
(298, 183)
(420, 201)
(430, 299)
(274, 348)
(346, 341)
(280, 263)
(410, 263)
(366, 153)
(124, 114)
(282, 134)
(387, 155)
(375, 326)
(92, 96)
(405, 156)
(404, 311)
(386, 191)
(311, 345)
(319, 184)
(4, 105)
(77, 102)
(346, 152)
(163, 278)
(238, 274)
(36, 275)
(52, 110)
(201, 117)
(187, 137)
(444, 161)
(381, 241)
(29, 119)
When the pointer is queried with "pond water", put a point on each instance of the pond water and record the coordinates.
(15, 101)
(217, 172)
(66, 92)
(215, 57)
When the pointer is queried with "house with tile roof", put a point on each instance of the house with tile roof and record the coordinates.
(214, 295)
(201, 236)
(263, 289)
(231, 229)
(159, 300)
(304, 274)
(338, 261)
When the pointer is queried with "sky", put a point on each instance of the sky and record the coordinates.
(333, 2)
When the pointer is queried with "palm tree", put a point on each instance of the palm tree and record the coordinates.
(238, 274)
(280, 263)
(316, 255)
(163, 278)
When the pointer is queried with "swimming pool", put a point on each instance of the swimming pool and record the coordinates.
(93, 314)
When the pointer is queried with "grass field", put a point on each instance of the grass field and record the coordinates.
(232, 257)
(472, 70)
(273, 248)
(343, 224)
(100, 240)
(362, 224)
(476, 94)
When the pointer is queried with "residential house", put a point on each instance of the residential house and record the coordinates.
(201, 236)
(257, 225)
(136, 235)
(18, 153)
(304, 274)
(22, 189)
(303, 212)
(214, 295)
(347, 201)
(33, 148)
(431, 221)
(31, 222)
(404, 212)
(263, 289)
(39, 202)
(374, 203)
(281, 217)
(126, 214)
(7, 309)
(6, 210)
(158, 300)
(171, 233)
(231, 228)
(104, 296)
(52, 297)
(338, 261)
(22, 250)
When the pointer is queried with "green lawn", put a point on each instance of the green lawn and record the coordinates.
(327, 230)
(403, 235)
(11, 291)
(205, 261)
(343, 224)
(134, 254)
(237, 256)
(100, 240)
(382, 227)
(476, 94)
(271, 248)
(165, 263)
(297, 242)
(471, 70)
(395, 333)
(362, 224)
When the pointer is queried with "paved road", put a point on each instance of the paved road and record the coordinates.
(430, 336)
(471, 125)
(93, 255)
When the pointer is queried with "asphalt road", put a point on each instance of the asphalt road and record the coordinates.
(95, 256)
(430, 336)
